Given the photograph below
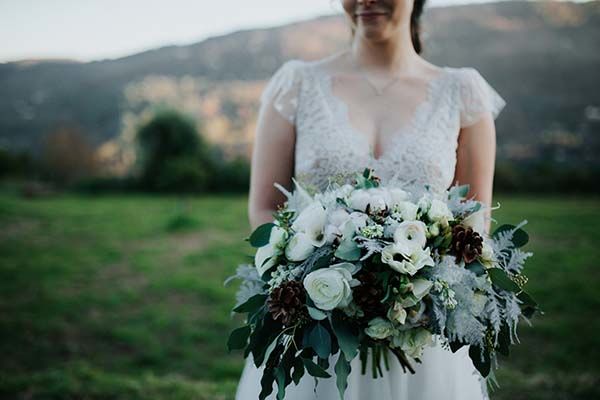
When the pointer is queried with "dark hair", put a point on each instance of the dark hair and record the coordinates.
(415, 25)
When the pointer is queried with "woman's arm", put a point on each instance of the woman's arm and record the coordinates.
(272, 161)
(476, 156)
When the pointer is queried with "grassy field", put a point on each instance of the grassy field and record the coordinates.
(120, 298)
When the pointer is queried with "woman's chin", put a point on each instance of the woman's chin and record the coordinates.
(372, 33)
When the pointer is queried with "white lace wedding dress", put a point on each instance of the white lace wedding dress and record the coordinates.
(423, 151)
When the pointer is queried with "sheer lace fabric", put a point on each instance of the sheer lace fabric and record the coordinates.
(423, 152)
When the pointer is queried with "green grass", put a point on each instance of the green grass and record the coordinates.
(122, 297)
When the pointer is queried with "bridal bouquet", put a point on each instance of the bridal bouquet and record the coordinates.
(365, 271)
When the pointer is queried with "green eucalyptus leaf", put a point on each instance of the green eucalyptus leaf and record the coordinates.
(252, 304)
(239, 338)
(527, 299)
(298, 370)
(482, 366)
(346, 334)
(476, 267)
(455, 346)
(504, 340)
(501, 279)
(266, 383)
(463, 190)
(348, 250)
(320, 340)
(315, 370)
(342, 370)
(261, 235)
(520, 237)
(280, 377)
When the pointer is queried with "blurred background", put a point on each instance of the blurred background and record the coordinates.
(125, 134)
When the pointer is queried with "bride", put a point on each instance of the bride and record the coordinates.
(377, 104)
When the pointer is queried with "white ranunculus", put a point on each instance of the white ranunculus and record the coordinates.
(412, 341)
(379, 328)
(404, 262)
(397, 313)
(331, 287)
(299, 247)
(312, 222)
(407, 210)
(411, 235)
(439, 211)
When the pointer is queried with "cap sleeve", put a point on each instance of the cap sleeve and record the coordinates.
(283, 90)
(477, 97)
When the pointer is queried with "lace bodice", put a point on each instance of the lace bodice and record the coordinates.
(422, 152)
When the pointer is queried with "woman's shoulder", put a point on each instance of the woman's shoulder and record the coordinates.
(475, 94)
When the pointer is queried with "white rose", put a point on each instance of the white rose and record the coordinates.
(406, 263)
(407, 210)
(397, 313)
(331, 287)
(411, 235)
(379, 328)
(412, 341)
(312, 222)
(299, 247)
(439, 211)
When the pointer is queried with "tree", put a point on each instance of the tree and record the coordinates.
(67, 156)
(173, 156)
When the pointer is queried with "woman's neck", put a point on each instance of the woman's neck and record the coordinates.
(396, 56)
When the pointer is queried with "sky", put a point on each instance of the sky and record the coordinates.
(88, 30)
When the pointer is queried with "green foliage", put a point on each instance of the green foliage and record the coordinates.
(173, 156)
(111, 305)
(260, 236)
(314, 369)
(500, 279)
(319, 339)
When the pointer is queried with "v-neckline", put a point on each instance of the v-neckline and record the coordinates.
(407, 127)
